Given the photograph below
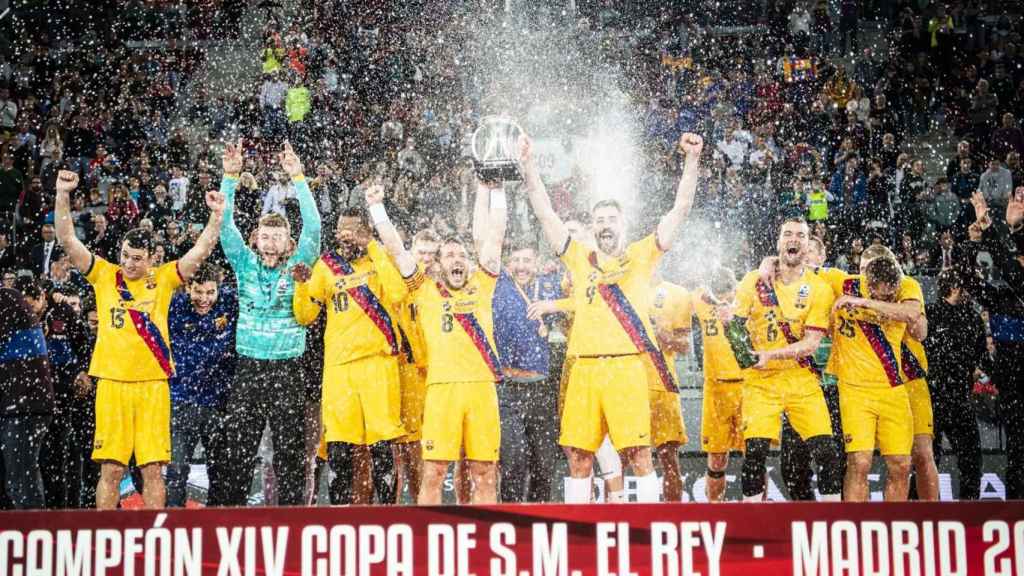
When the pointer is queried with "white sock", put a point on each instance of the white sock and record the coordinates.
(617, 497)
(831, 498)
(608, 459)
(578, 490)
(759, 497)
(648, 488)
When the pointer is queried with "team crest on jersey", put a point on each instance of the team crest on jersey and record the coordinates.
(221, 323)
(446, 306)
(659, 299)
(428, 445)
(848, 438)
(802, 295)
(282, 285)
(151, 280)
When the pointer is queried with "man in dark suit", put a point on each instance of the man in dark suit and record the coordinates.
(102, 241)
(8, 259)
(42, 253)
(947, 254)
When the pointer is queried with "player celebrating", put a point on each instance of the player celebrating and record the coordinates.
(412, 373)
(721, 416)
(268, 387)
(461, 406)
(132, 360)
(361, 403)
(787, 319)
(876, 310)
(611, 331)
(672, 317)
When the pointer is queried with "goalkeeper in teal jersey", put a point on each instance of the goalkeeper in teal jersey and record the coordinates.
(269, 384)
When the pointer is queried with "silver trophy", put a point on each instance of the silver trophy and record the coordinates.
(495, 148)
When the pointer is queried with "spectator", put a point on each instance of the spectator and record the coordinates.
(944, 210)
(8, 110)
(41, 254)
(8, 257)
(51, 151)
(995, 184)
(12, 181)
(984, 107)
(122, 212)
(26, 386)
(1007, 138)
(848, 189)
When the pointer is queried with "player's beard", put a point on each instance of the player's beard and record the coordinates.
(608, 241)
(350, 250)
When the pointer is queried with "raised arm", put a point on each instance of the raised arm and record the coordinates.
(554, 229)
(81, 258)
(230, 238)
(386, 230)
(691, 146)
(207, 241)
(309, 241)
(490, 200)
(805, 347)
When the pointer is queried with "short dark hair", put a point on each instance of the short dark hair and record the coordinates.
(207, 272)
(140, 239)
(947, 281)
(721, 280)
(29, 287)
(610, 203)
(356, 212)
(883, 270)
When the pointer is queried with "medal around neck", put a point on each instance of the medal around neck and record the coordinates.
(495, 148)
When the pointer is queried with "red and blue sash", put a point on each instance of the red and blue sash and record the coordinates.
(366, 299)
(477, 335)
(876, 338)
(146, 329)
(630, 321)
(912, 367)
(768, 298)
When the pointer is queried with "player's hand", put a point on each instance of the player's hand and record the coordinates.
(231, 160)
(301, 273)
(83, 384)
(848, 302)
(768, 269)
(725, 314)
(1015, 208)
(66, 181)
(762, 361)
(537, 310)
(215, 201)
(691, 145)
(374, 194)
(289, 161)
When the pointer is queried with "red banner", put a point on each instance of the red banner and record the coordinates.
(529, 540)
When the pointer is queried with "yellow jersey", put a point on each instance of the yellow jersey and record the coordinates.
(457, 328)
(719, 362)
(779, 314)
(913, 360)
(612, 299)
(866, 349)
(411, 333)
(672, 310)
(360, 297)
(132, 342)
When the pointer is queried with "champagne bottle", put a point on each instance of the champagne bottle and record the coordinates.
(739, 340)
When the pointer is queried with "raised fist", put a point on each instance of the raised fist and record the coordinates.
(66, 181)
(301, 273)
(691, 145)
(374, 194)
(232, 158)
(215, 201)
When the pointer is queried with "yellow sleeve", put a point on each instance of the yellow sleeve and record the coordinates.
(395, 289)
(910, 290)
(415, 283)
(100, 269)
(645, 252)
(565, 305)
(168, 276)
(835, 278)
(485, 281)
(309, 297)
(821, 308)
(746, 295)
(574, 253)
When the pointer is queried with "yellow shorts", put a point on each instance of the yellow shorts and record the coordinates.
(132, 417)
(921, 406)
(459, 415)
(414, 391)
(882, 414)
(721, 421)
(606, 395)
(362, 401)
(794, 392)
(666, 418)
